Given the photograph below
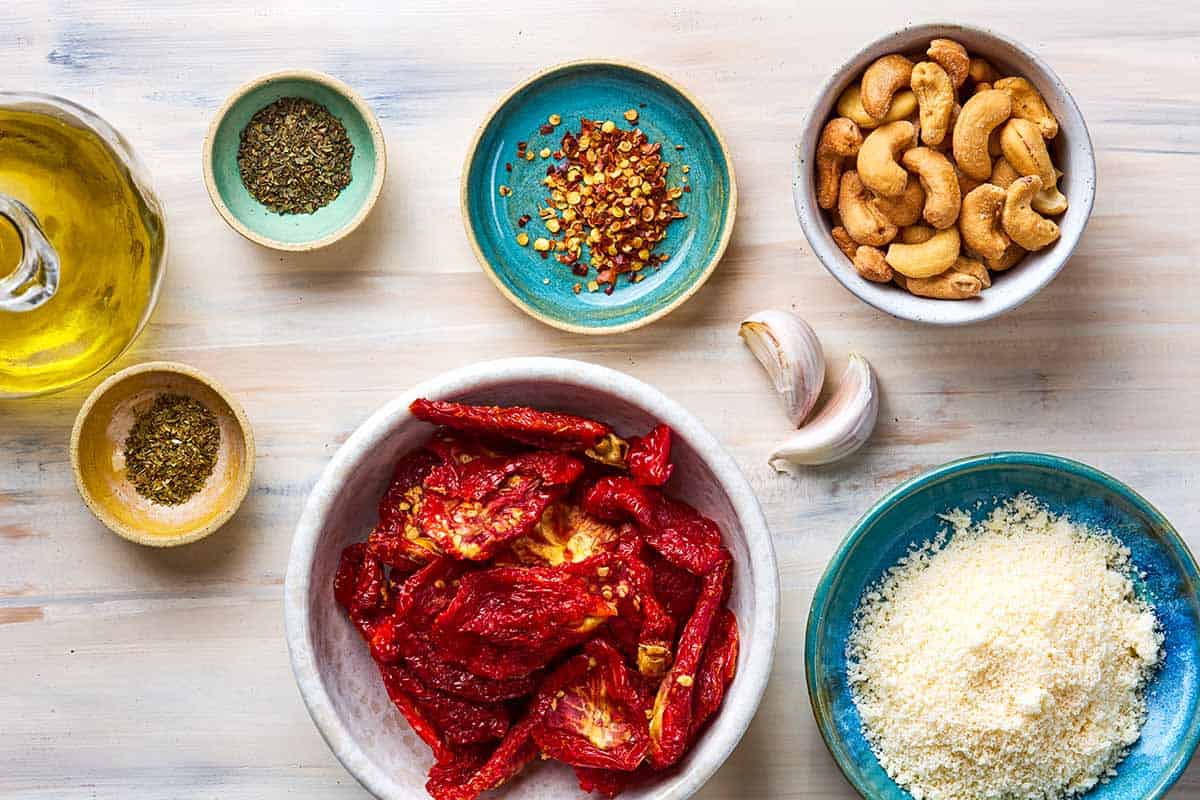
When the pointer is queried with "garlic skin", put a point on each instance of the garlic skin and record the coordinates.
(790, 352)
(841, 427)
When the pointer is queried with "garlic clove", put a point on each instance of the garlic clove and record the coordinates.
(790, 352)
(841, 427)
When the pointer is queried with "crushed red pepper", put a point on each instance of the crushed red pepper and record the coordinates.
(595, 634)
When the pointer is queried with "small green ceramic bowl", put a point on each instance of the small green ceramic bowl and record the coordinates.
(599, 90)
(301, 232)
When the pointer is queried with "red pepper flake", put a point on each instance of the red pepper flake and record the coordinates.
(508, 166)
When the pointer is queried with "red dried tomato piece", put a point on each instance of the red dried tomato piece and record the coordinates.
(360, 586)
(456, 780)
(683, 535)
(716, 670)
(671, 718)
(564, 535)
(430, 661)
(610, 783)
(451, 775)
(649, 457)
(543, 429)
(677, 589)
(444, 722)
(481, 477)
(590, 713)
(345, 580)
(506, 622)
(396, 540)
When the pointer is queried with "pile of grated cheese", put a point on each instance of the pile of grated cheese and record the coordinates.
(1006, 661)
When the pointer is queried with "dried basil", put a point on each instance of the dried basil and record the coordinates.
(294, 156)
(171, 449)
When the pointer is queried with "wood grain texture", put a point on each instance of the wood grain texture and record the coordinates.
(131, 673)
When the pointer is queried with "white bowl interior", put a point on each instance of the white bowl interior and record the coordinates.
(1071, 152)
(335, 673)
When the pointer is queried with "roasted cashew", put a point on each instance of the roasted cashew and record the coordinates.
(1025, 149)
(981, 71)
(952, 57)
(905, 208)
(982, 86)
(1027, 103)
(840, 139)
(842, 239)
(969, 266)
(1003, 173)
(936, 174)
(1012, 256)
(870, 264)
(935, 98)
(877, 158)
(849, 105)
(979, 117)
(916, 234)
(928, 258)
(884, 78)
(982, 231)
(949, 285)
(1027, 227)
(862, 220)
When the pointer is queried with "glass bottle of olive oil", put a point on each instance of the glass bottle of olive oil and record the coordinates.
(82, 244)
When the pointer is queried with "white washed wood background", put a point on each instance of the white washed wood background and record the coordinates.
(131, 673)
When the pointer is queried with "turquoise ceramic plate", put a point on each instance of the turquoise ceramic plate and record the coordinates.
(294, 231)
(605, 91)
(909, 515)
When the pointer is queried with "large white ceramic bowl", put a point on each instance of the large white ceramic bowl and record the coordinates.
(336, 676)
(1071, 152)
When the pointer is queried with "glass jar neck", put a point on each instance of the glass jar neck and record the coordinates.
(34, 279)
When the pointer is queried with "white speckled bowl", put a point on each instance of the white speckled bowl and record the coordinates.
(336, 676)
(1071, 151)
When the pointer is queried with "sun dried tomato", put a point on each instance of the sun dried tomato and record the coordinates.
(677, 589)
(345, 580)
(457, 781)
(449, 776)
(649, 457)
(716, 670)
(682, 534)
(544, 429)
(396, 540)
(445, 722)
(590, 713)
(472, 509)
(506, 622)
(671, 718)
(564, 535)
(609, 782)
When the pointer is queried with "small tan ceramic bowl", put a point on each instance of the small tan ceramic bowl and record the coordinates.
(294, 232)
(98, 460)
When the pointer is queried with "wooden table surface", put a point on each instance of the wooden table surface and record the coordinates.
(134, 673)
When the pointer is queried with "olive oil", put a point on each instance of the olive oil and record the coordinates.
(109, 243)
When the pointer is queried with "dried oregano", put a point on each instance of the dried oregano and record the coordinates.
(171, 449)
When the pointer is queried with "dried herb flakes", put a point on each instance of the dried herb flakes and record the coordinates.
(294, 156)
(171, 449)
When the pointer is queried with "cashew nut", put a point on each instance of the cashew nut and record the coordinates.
(948, 285)
(1003, 173)
(982, 86)
(916, 234)
(850, 105)
(870, 264)
(840, 139)
(884, 78)
(905, 208)
(1012, 256)
(1028, 104)
(952, 57)
(982, 231)
(842, 239)
(981, 71)
(936, 174)
(863, 221)
(1027, 227)
(969, 266)
(1025, 149)
(979, 117)
(935, 98)
(928, 258)
(877, 157)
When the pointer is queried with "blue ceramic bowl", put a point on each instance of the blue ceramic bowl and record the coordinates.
(909, 515)
(604, 91)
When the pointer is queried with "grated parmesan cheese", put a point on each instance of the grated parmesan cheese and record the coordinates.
(1006, 661)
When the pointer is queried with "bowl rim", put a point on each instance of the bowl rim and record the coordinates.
(816, 228)
(729, 727)
(731, 201)
(329, 82)
(916, 484)
(243, 479)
